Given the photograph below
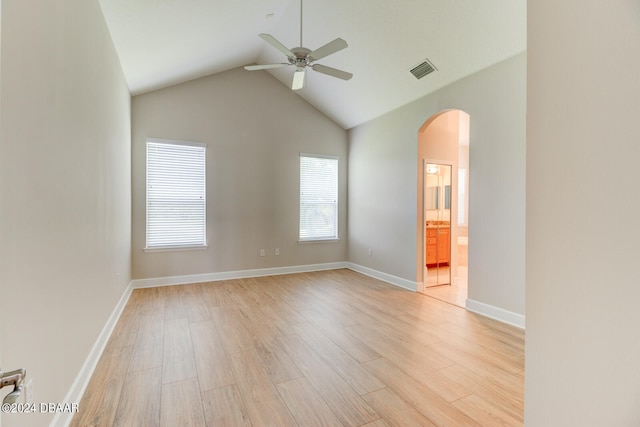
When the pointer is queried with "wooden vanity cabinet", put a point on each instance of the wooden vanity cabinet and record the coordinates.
(432, 245)
(438, 245)
(444, 242)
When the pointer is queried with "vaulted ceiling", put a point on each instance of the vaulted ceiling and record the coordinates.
(164, 42)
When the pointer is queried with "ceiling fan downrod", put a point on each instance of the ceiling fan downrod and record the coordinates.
(301, 24)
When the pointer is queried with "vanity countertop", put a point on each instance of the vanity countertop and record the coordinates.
(438, 224)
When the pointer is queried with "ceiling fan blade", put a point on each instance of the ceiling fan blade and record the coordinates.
(265, 66)
(298, 79)
(276, 44)
(328, 49)
(332, 71)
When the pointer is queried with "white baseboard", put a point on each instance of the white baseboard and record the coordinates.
(496, 313)
(389, 278)
(63, 419)
(228, 275)
(244, 274)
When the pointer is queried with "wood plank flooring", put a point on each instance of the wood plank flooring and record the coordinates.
(332, 348)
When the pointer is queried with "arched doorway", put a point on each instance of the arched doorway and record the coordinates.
(443, 214)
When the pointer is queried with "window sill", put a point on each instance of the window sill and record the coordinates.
(330, 240)
(176, 248)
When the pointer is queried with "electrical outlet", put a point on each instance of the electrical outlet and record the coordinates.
(276, 252)
(262, 253)
(370, 252)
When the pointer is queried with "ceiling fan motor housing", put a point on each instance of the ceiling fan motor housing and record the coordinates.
(301, 58)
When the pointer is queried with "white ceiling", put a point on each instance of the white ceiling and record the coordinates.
(164, 42)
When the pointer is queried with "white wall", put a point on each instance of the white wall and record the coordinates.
(64, 190)
(255, 128)
(383, 164)
(583, 351)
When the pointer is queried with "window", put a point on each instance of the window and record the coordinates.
(176, 205)
(318, 197)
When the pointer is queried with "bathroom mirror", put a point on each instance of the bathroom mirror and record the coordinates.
(435, 194)
(447, 196)
(437, 236)
(431, 197)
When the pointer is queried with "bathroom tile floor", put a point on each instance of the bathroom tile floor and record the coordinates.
(456, 293)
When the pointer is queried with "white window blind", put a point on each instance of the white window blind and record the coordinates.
(318, 197)
(176, 205)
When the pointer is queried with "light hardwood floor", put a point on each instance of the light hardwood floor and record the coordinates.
(332, 348)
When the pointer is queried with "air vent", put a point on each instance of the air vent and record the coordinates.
(422, 69)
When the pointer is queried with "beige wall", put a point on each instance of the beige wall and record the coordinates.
(255, 129)
(64, 190)
(582, 350)
(383, 155)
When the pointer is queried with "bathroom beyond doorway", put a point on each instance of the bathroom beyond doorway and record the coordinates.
(443, 200)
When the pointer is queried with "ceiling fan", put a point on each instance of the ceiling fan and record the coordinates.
(302, 58)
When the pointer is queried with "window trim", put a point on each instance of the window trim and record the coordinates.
(179, 247)
(335, 238)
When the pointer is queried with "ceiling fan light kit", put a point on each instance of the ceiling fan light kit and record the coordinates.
(302, 58)
(298, 79)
